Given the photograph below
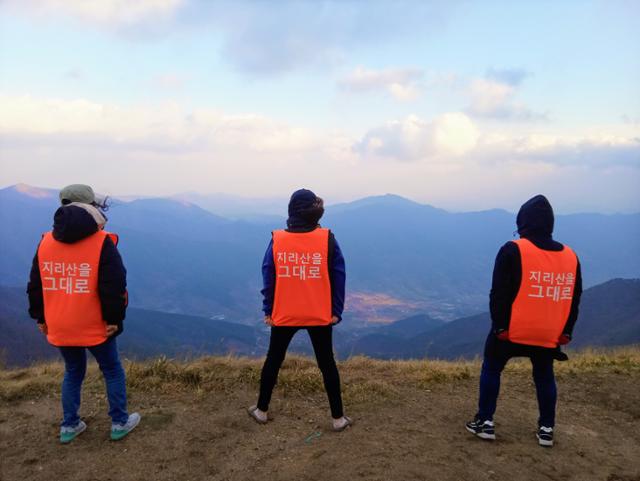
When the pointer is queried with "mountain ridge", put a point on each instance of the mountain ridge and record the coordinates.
(184, 259)
(610, 316)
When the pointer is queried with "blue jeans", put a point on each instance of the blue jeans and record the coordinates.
(75, 361)
(496, 356)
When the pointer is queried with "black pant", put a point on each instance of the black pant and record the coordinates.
(496, 355)
(321, 339)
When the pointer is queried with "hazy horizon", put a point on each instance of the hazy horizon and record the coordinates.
(283, 200)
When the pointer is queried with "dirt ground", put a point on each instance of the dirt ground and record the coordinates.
(416, 434)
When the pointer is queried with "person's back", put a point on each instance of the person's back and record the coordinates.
(304, 284)
(69, 259)
(303, 287)
(534, 301)
(77, 294)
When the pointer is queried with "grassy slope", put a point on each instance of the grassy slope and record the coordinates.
(409, 414)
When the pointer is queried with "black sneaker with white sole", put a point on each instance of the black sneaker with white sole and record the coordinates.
(545, 436)
(482, 429)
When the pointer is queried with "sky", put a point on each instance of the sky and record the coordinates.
(465, 105)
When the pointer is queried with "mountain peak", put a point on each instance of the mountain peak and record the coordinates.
(34, 192)
(386, 200)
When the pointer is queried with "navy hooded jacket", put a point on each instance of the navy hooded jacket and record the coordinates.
(535, 222)
(304, 214)
(71, 224)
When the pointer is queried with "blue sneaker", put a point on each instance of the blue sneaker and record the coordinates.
(68, 434)
(119, 431)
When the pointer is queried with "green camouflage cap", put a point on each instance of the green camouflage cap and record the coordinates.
(77, 193)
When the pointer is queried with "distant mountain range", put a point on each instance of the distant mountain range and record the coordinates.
(403, 258)
(609, 316)
(147, 334)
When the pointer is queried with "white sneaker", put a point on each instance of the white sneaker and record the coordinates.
(119, 431)
(68, 434)
(342, 423)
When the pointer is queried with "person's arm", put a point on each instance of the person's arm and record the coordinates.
(575, 303)
(112, 285)
(507, 275)
(268, 280)
(34, 291)
(337, 275)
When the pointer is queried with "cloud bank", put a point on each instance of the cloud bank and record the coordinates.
(413, 138)
(164, 147)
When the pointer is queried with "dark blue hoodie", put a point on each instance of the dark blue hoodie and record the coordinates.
(535, 222)
(305, 211)
(71, 224)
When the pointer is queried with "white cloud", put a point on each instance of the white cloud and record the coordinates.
(401, 84)
(108, 13)
(450, 134)
(171, 127)
(320, 33)
(161, 148)
(598, 151)
(488, 96)
(156, 126)
(448, 160)
(455, 137)
(260, 37)
(493, 96)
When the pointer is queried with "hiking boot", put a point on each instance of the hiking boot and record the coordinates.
(119, 431)
(545, 436)
(68, 434)
(482, 429)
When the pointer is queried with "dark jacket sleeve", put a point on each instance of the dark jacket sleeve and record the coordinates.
(268, 280)
(575, 303)
(507, 275)
(112, 285)
(34, 291)
(337, 275)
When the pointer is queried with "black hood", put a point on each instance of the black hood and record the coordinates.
(535, 218)
(72, 223)
(305, 209)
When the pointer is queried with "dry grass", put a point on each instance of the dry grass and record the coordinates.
(364, 379)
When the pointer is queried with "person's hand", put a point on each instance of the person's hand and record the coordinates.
(111, 329)
(564, 339)
(334, 320)
(268, 321)
(503, 335)
(43, 328)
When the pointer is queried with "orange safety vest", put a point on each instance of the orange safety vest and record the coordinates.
(69, 274)
(303, 289)
(541, 308)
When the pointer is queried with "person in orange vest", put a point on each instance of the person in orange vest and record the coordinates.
(304, 284)
(77, 293)
(536, 290)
